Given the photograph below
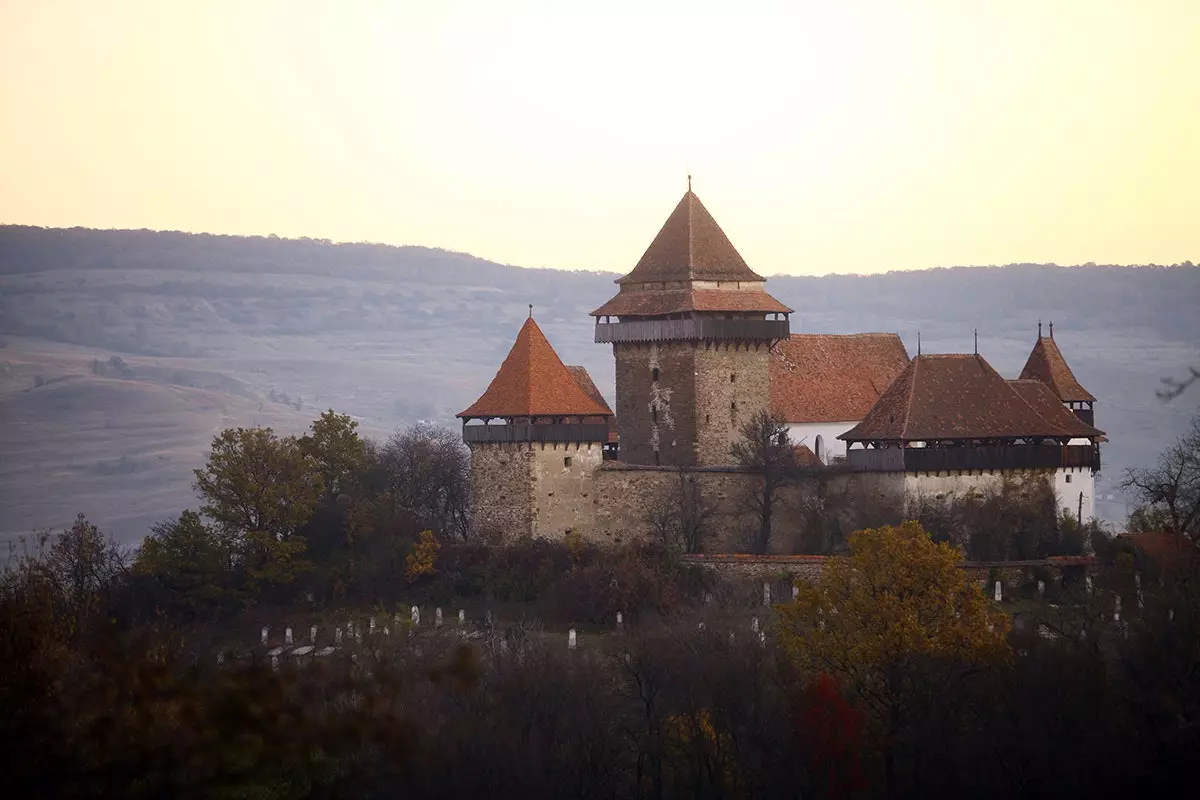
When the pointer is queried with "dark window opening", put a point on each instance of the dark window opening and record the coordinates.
(654, 374)
(1068, 478)
(654, 415)
(566, 461)
(732, 377)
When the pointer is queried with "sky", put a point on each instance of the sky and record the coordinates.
(856, 136)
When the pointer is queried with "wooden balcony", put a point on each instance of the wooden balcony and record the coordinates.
(524, 432)
(953, 459)
(682, 330)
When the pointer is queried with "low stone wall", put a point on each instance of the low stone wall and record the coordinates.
(1058, 572)
(820, 504)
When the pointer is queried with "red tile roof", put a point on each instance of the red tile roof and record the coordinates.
(659, 302)
(833, 378)
(805, 457)
(1046, 364)
(691, 246)
(534, 382)
(1044, 401)
(1167, 548)
(952, 396)
(581, 376)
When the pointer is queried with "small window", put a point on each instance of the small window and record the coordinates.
(654, 414)
(654, 374)
(820, 445)
(566, 461)
(1068, 477)
(708, 419)
(732, 377)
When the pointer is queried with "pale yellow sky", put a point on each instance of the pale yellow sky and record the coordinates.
(825, 137)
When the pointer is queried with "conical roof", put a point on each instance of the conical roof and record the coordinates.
(1046, 364)
(1044, 401)
(953, 396)
(690, 247)
(534, 382)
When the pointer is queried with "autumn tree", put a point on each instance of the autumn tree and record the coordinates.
(338, 452)
(259, 489)
(897, 599)
(191, 565)
(1170, 491)
(765, 449)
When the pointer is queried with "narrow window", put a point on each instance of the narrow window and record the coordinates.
(566, 461)
(656, 458)
(654, 414)
(654, 374)
(707, 419)
(820, 445)
(1068, 477)
(732, 377)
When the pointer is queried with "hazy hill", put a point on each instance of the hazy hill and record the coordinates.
(220, 330)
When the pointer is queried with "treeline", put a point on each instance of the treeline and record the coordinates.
(891, 677)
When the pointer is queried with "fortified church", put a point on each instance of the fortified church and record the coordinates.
(700, 347)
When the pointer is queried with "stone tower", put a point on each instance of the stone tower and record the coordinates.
(537, 436)
(691, 329)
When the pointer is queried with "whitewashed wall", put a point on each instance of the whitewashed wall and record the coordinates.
(807, 433)
(1068, 483)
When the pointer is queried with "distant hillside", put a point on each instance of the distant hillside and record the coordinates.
(396, 334)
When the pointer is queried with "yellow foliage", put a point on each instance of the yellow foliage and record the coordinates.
(422, 559)
(897, 594)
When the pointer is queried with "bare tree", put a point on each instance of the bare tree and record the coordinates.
(1172, 488)
(427, 476)
(766, 450)
(682, 514)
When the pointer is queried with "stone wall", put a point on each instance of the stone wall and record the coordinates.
(835, 500)
(1058, 572)
(564, 498)
(686, 401)
(733, 383)
(502, 490)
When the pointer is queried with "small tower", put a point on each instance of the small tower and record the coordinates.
(536, 437)
(1046, 364)
(691, 329)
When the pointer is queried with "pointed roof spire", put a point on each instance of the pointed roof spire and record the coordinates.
(977, 341)
(690, 246)
(534, 382)
(1046, 364)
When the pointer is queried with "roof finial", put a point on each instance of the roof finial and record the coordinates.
(531, 310)
(689, 181)
(977, 341)
(1051, 329)
(918, 341)
(1039, 329)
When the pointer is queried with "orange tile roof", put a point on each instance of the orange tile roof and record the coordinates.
(1046, 364)
(952, 396)
(534, 382)
(833, 378)
(659, 302)
(690, 246)
(1046, 403)
(1166, 547)
(581, 376)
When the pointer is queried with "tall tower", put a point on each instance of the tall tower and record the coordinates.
(691, 329)
(537, 436)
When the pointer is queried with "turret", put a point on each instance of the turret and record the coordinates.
(536, 436)
(1046, 364)
(691, 328)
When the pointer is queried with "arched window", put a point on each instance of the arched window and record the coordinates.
(820, 448)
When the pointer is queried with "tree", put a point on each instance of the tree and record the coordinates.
(764, 448)
(83, 566)
(897, 599)
(191, 564)
(683, 514)
(1171, 490)
(257, 482)
(339, 453)
(425, 473)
